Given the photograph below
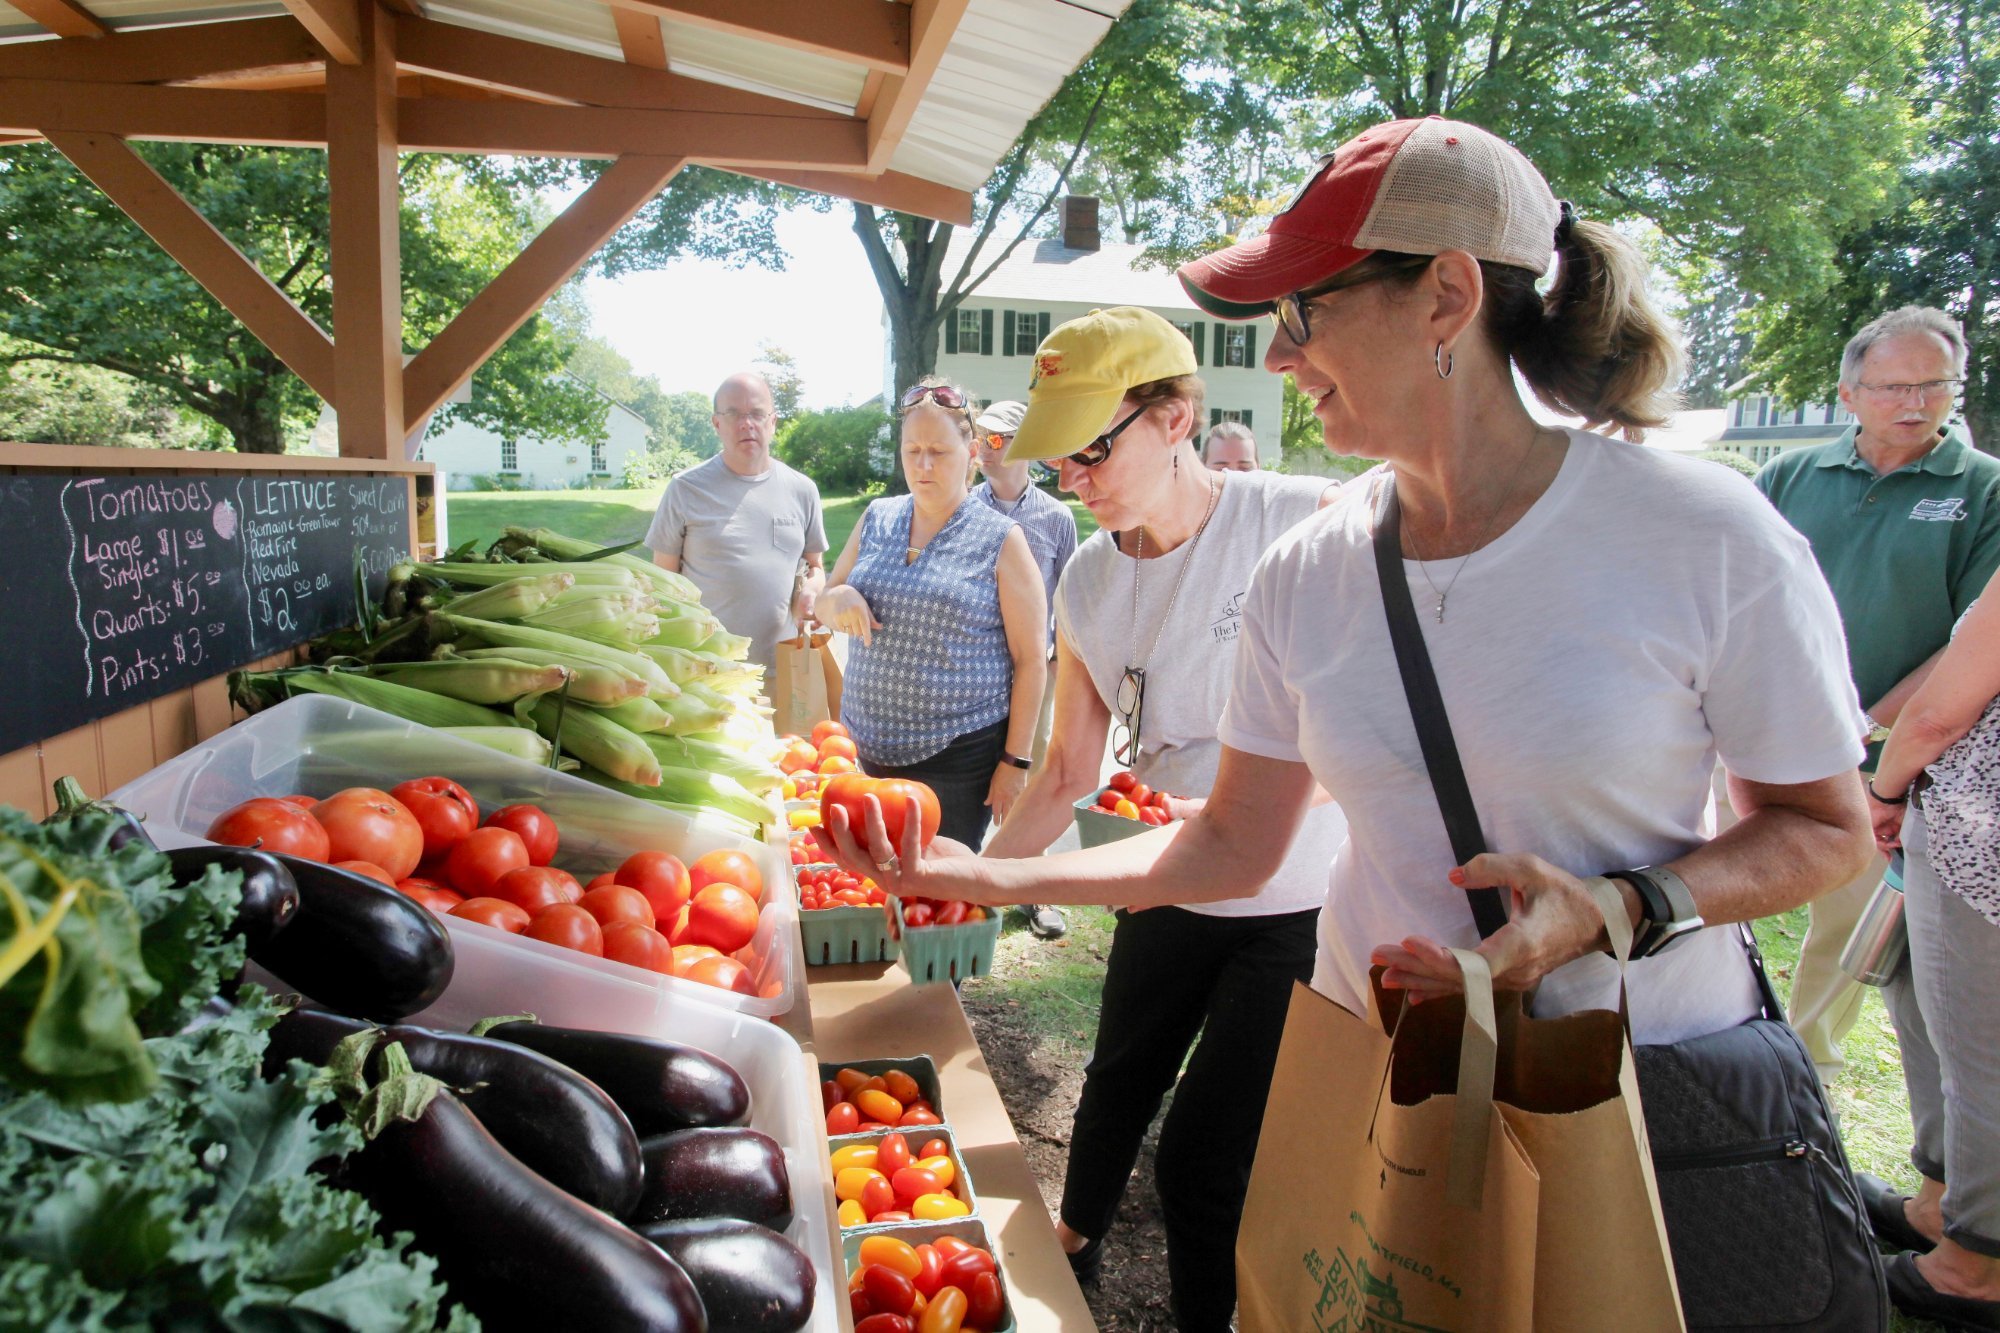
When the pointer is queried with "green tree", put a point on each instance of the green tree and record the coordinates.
(686, 420)
(781, 371)
(835, 448)
(42, 403)
(1719, 340)
(1940, 248)
(82, 284)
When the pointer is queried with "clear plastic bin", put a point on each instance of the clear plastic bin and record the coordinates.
(317, 745)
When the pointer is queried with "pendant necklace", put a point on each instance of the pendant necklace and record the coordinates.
(1443, 594)
(1139, 554)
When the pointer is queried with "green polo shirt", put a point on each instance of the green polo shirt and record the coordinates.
(1905, 554)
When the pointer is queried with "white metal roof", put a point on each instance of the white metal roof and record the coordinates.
(1047, 271)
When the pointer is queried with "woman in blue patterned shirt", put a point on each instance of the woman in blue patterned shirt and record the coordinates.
(949, 624)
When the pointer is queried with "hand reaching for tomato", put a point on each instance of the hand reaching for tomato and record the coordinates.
(946, 869)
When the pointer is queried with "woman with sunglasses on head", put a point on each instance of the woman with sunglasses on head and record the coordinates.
(949, 625)
(1146, 636)
(1604, 620)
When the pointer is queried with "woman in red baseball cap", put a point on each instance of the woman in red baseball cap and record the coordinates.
(1605, 621)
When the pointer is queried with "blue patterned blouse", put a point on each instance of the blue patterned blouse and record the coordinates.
(939, 666)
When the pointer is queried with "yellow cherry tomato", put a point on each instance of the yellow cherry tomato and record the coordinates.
(945, 1313)
(789, 788)
(855, 1154)
(939, 1166)
(877, 1105)
(851, 1214)
(898, 1256)
(849, 1183)
(938, 1207)
(810, 818)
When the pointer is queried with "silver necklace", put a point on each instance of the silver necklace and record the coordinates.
(1139, 554)
(1452, 582)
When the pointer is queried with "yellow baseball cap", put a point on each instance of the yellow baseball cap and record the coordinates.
(1083, 370)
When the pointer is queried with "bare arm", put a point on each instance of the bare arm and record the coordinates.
(671, 563)
(1024, 612)
(810, 587)
(1946, 705)
(1068, 771)
(1890, 706)
(838, 606)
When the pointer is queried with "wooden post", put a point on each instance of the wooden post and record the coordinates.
(367, 253)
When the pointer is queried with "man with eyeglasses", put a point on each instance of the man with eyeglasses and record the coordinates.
(1905, 524)
(739, 525)
(1051, 533)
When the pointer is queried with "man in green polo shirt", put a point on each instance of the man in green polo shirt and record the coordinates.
(1904, 519)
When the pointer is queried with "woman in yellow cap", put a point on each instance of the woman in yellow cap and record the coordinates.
(1146, 636)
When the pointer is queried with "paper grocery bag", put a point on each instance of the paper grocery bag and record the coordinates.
(1366, 1213)
(806, 685)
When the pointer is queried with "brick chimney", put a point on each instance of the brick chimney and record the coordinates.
(1079, 222)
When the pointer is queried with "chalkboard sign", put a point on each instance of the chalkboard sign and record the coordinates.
(117, 590)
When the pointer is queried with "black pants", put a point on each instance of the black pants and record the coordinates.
(1173, 974)
(961, 774)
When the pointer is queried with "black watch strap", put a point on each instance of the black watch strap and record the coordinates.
(1016, 760)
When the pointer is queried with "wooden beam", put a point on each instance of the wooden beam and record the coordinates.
(433, 126)
(932, 23)
(567, 76)
(367, 255)
(875, 33)
(64, 18)
(208, 256)
(138, 111)
(641, 38)
(163, 55)
(871, 88)
(891, 189)
(520, 289)
(334, 24)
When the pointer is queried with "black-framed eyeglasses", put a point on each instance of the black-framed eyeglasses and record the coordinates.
(1291, 315)
(1131, 714)
(1099, 449)
(942, 394)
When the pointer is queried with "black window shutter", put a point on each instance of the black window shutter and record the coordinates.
(986, 333)
(1041, 327)
(1218, 346)
(1198, 335)
(951, 333)
(1007, 335)
(1215, 413)
(1246, 418)
(1249, 350)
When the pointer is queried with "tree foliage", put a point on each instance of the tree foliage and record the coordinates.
(837, 447)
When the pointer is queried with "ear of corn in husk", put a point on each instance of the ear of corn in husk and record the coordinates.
(640, 715)
(758, 777)
(591, 682)
(561, 547)
(723, 644)
(598, 741)
(516, 741)
(483, 681)
(614, 621)
(495, 634)
(514, 598)
(477, 574)
(690, 789)
(412, 705)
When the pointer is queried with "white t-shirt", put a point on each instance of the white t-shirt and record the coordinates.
(1189, 668)
(1647, 615)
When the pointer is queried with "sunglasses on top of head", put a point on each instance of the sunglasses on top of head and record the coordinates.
(1099, 449)
(942, 394)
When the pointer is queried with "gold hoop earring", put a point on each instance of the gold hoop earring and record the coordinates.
(1444, 361)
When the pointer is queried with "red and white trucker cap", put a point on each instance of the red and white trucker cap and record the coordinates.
(1416, 187)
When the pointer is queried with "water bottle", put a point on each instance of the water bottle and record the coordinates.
(1880, 939)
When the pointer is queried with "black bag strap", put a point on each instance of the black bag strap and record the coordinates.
(1413, 660)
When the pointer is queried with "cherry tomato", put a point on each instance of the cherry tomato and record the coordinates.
(947, 1246)
(878, 1196)
(831, 1094)
(901, 1086)
(895, 794)
(849, 1180)
(482, 857)
(363, 824)
(929, 1276)
(434, 896)
(1139, 794)
(946, 1314)
(849, 1079)
(892, 1154)
(444, 810)
(885, 1323)
(536, 829)
(496, 912)
(1122, 781)
(1109, 798)
(726, 867)
(961, 1268)
(985, 1304)
(568, 925)
(367, 869)
(661, 877)
(616, 902)
(1152, 814)
(934, 1148)
(536, 887)
(878, 1105)
(888, 1291)
(637, 945)
(854, 1154)
(917, 1115)
(916, 915)
(913, 1182)
(852, 1214)
(939, 1207)
(1126, 810)
(273, 826)
(940, 1167)
(951, 914)
(890, 1253)
(843, 1119)
(893, 1215)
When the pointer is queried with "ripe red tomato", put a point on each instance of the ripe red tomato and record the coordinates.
(608, 877)
(1122, 781)
(846, 791)
(892, 1154)
(431, 894)
(831, 1095)
(363, 824)
(302, 802)
(821, 730)
(726, 867)
(837, 747)
(933, 1148)
(366, 868)
(895, 794)
(639, 946)
(928, 1277)
(900, 1086)
(1108, 799)
(887, 1290)
(877, 1196)
(444, 810)
(534, 887)
(984, 1303)
(883, 1323)
(537, 830)
(495, 912)
(950, 914)
(1140, 794)
(482, 857)
(273, 826)
(568, 925)
(721, 973)
(913, 1182)
(617, 903)
(723, 917)
(661, 877)
(843, 1119)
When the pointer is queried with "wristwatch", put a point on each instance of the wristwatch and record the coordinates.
(1667, 911)
(1016, 760)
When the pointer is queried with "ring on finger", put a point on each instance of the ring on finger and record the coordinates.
(891, 866)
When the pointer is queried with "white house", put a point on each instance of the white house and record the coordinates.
(464, 452)
(1760, 427)
(989, 341)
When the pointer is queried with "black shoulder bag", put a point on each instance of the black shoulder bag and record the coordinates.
(1763, 1217)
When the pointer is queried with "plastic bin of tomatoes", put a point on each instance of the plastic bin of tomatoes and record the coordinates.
(849, 1091)
(902, 1176)
(938, 1277)
(834, 926)
(1123, 807)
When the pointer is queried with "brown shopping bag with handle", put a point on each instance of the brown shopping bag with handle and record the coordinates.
(805, 689)
(1340, 1232)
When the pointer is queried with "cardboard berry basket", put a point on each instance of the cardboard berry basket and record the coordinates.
(317, 745)
(1096, 826)
(919, 1067)
(947, 953)
(967, 1229)
(845, 934)
(961, 1181)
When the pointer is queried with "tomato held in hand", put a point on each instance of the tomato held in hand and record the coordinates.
(568, 925)
(895, 794)
(846, 790)
(444, 810)
(535, 887)
(637, 946)
(537, 830)
(495, 912)
(363, 824)
(482, 857)
(661, 877)
(271, 825)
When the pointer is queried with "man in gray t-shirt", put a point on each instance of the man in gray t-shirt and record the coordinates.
(740, 524)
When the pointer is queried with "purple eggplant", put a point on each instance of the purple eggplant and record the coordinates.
(751, 1279)
(660, 1086)
(357, 945)
(270, 894)
(715, 1172)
